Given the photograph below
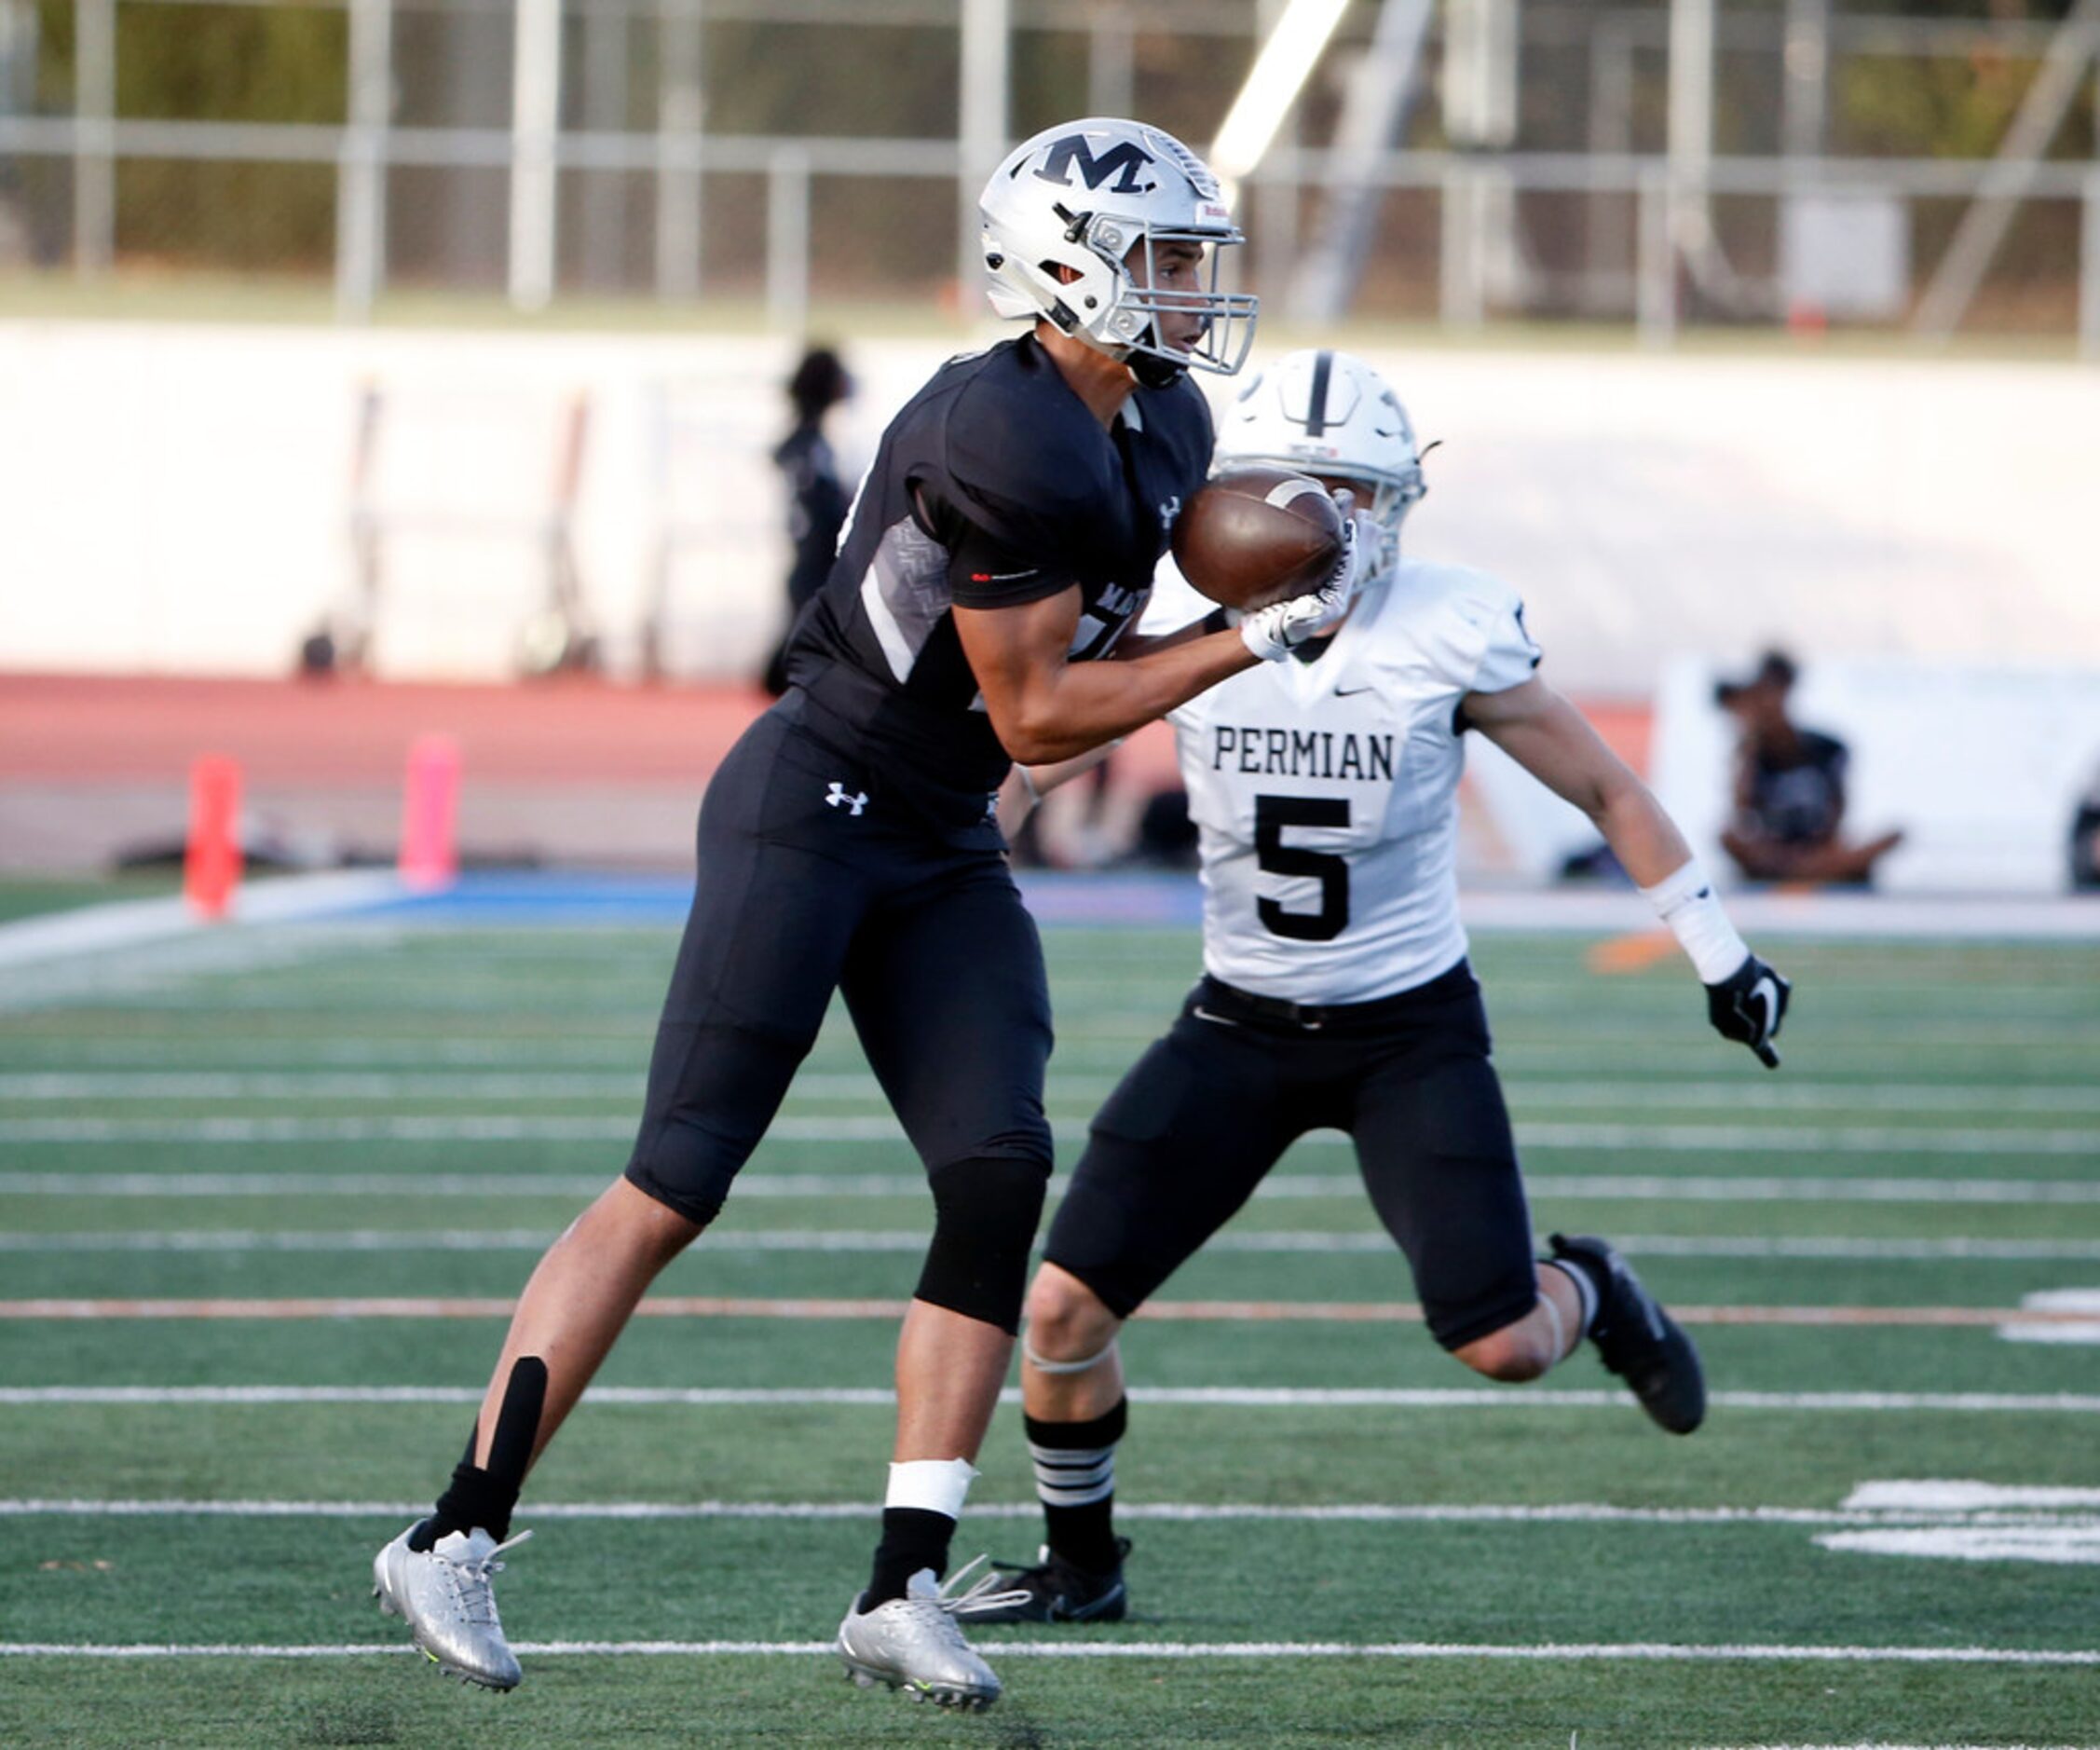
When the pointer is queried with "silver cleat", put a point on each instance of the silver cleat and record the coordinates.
(913, 1643)
(445, 1596)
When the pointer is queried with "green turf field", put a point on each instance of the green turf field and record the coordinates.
(1342, 1536)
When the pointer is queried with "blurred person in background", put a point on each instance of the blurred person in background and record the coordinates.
(1003, 545)
(2085, 838)
(817, 498)
(1790, 788)
(1337, 994)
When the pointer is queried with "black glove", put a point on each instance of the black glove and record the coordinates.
(1748, 1006)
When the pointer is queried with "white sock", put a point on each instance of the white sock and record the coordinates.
(933, 1486)
(1586, 1291)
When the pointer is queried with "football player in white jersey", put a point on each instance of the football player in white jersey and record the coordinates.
(1336, 991)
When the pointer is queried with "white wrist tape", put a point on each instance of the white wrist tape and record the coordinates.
(1685, 901)
(935, 1486)
(1028, 784)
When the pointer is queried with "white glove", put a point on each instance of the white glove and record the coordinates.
(1272, 633)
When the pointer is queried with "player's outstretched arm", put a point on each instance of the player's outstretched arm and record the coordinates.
(1045, 707)
(1539, 730)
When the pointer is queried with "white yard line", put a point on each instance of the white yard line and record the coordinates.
(428, 1307)
(1962, 1496)
(913, 1240)
(555, 1081)
(2058, 1544)
(1569, 1513)
(1230, 1396)
(502, 1186)
(1703, 1139)
(1548, 1652)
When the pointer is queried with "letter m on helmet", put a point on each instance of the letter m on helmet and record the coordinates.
(1124, 161)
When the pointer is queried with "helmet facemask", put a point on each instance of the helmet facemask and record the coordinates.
(1132, 327)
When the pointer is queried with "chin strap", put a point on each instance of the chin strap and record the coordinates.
(1154, 372)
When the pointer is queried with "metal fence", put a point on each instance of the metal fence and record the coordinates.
(1544, 159)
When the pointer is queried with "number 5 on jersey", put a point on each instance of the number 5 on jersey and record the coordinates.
(1271, 815)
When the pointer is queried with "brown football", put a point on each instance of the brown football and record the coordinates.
(1254, 536)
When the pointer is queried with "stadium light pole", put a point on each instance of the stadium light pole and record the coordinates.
(680, 113)
(360, 175)
(534, 114)
(981, 124)
(94, 132)
(1279, 72)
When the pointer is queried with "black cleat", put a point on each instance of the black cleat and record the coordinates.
(1061, 1592)
(1638, 1341)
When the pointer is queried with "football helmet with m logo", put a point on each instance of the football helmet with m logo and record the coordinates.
(1076, 224)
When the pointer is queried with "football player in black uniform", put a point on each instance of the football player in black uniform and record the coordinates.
(1002, 545)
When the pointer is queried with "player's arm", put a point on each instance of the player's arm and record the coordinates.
(1539, 730)
(1045, 708)
(1555, 742)
(1132, 645)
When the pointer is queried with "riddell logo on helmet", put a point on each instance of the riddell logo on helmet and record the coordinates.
(1121, 160)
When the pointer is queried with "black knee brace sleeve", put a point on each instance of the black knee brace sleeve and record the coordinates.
(985, 1214)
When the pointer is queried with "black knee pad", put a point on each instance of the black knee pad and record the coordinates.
(985, 1215)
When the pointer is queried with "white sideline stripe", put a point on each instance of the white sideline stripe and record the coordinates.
(1233, 1397)
(511, 1127)
(1570, 1513)
(1545, 1652)
(102, 929)
(520, 1082)
(913, 1240)
(1602, 1187)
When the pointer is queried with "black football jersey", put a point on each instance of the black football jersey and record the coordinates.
(993, 487)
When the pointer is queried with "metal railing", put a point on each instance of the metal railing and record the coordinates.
(1670, 191)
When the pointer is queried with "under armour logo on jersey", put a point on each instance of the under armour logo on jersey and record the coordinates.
(1169, 510)
(1122, 157)
(837, 797)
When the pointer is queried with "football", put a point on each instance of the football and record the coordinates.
(1254, 536)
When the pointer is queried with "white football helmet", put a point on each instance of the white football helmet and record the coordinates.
(1089, 196)
(1324, 413)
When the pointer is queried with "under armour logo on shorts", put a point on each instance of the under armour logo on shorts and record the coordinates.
(837, 797)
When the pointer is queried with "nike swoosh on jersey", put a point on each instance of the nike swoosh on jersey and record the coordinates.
(1350, 692)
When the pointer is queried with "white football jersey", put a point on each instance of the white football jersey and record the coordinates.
(1326, 793)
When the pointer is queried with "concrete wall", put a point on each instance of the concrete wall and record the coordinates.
(176, 499)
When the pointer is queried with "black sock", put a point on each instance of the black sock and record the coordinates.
(1076, 1482)
(913, 1538)
(485, 1499)
(476, 1498)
